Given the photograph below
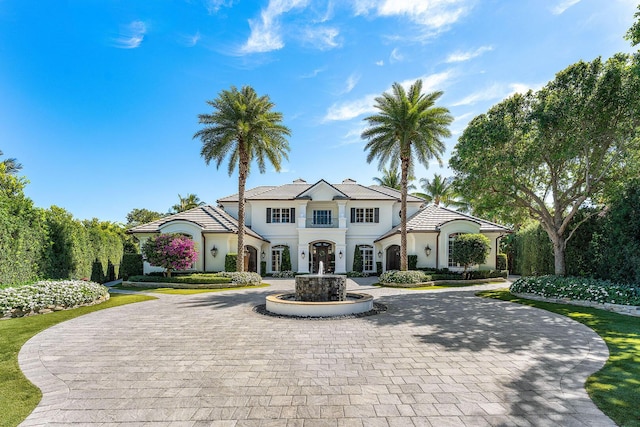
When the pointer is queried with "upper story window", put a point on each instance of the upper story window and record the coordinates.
(281, 215)
(322, 217)
(365, 215)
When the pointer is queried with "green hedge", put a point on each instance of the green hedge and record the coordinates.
(501, 261)
(195, 279)
(230, 262)
(131, 265)
(412, 261)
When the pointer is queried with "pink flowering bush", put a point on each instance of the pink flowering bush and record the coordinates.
(170, 251)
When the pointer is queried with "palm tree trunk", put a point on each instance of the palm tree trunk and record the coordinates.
(404, 182)
(242, 181)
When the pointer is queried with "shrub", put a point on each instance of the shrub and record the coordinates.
(49, 295)
(412, 260)
(578, 288)
(357, 260)
(486, 274)
(263, 267)
(286, 259)
(170, 251)
(378, 267)
(230, 262)
(403, 277)
(244, 278)
(357, 274)
(195, 279)
(131, 265)
(470, 249)
(501, 261)
(285, 274)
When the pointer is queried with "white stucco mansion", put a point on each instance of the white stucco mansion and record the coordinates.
(323, 222)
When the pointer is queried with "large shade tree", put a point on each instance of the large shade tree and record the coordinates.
(408, 127)
(243, 128)
(556, 150)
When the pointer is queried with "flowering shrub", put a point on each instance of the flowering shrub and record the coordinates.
(170, 251)
(286, 274)
(578, 288)
(49, 295)
(241, 278)
(403, 277)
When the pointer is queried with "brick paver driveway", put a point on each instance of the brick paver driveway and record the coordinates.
(434, 359)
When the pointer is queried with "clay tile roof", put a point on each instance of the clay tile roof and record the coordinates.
(432, 217)
(209, 218)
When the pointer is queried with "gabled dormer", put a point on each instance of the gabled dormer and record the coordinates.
(322, 191)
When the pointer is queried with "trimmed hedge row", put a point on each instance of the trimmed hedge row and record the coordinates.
(417, 276)
(194, 279)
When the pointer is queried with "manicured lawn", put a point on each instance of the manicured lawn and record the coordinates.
(615, 388)
(174, 291)
(18, 397)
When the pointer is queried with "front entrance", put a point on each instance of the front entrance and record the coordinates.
(393, 257)
(250, 259)
(322, 251)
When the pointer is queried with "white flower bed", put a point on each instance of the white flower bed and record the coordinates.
(403, 277)
(287, 274)
(46, 296)
(242, 278)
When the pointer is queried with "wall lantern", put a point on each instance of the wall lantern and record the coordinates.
(379, 254)
(340, 254)
(427, 250)
(214, 251)
(302, 254)
(262, 254)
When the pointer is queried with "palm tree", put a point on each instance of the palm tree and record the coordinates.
(391, 179)
(244, 128)
(11, 166)
(408, 126)
(189, 202)
(439, 190)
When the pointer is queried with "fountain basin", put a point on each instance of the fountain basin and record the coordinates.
(321, 287)
(287, 305)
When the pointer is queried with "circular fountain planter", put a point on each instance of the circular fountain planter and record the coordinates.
(287, 305)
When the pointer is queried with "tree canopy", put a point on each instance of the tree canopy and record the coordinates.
(408, 127)
(548, 153)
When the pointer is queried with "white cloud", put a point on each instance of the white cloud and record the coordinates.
(380, 63)
(365, 105)
(323, 38)
(131, 36)
(563, 5)
(265, 32)
(395, 56)
(314, 73)
(351, 82)
(213, 6)
(496, 91)
(465, 56)
(192, 40)
(434, 14)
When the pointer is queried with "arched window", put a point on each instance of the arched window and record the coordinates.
(452, 238)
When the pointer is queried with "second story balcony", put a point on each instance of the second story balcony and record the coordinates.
(310, 223)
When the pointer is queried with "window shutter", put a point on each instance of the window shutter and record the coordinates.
(293, 215)
(353, 214)
(268, 215)
(376, 215)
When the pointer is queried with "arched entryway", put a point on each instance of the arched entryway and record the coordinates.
(393, 257)
(322, 251)
(250, 259)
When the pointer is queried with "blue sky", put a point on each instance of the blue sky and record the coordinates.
(99, 99)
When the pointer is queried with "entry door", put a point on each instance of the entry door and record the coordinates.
(322, 252)
(393, 257)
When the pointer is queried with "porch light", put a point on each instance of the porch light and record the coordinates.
(262, 255)
(214, 251)
(379, 254)
(427, 250)
(340, 254)
(302, 254)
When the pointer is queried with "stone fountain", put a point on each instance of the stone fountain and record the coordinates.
(320, 295)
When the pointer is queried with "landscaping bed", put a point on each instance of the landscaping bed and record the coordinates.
(196, 281)
(419, 278)
(47, 296)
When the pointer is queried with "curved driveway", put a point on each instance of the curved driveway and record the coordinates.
(436, 358)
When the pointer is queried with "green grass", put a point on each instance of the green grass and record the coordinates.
(615, 388)
(18, 397)
(175, 291)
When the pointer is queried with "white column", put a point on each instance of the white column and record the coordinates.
(302, 215)
(342, 214)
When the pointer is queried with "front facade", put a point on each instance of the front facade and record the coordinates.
(323, 223)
